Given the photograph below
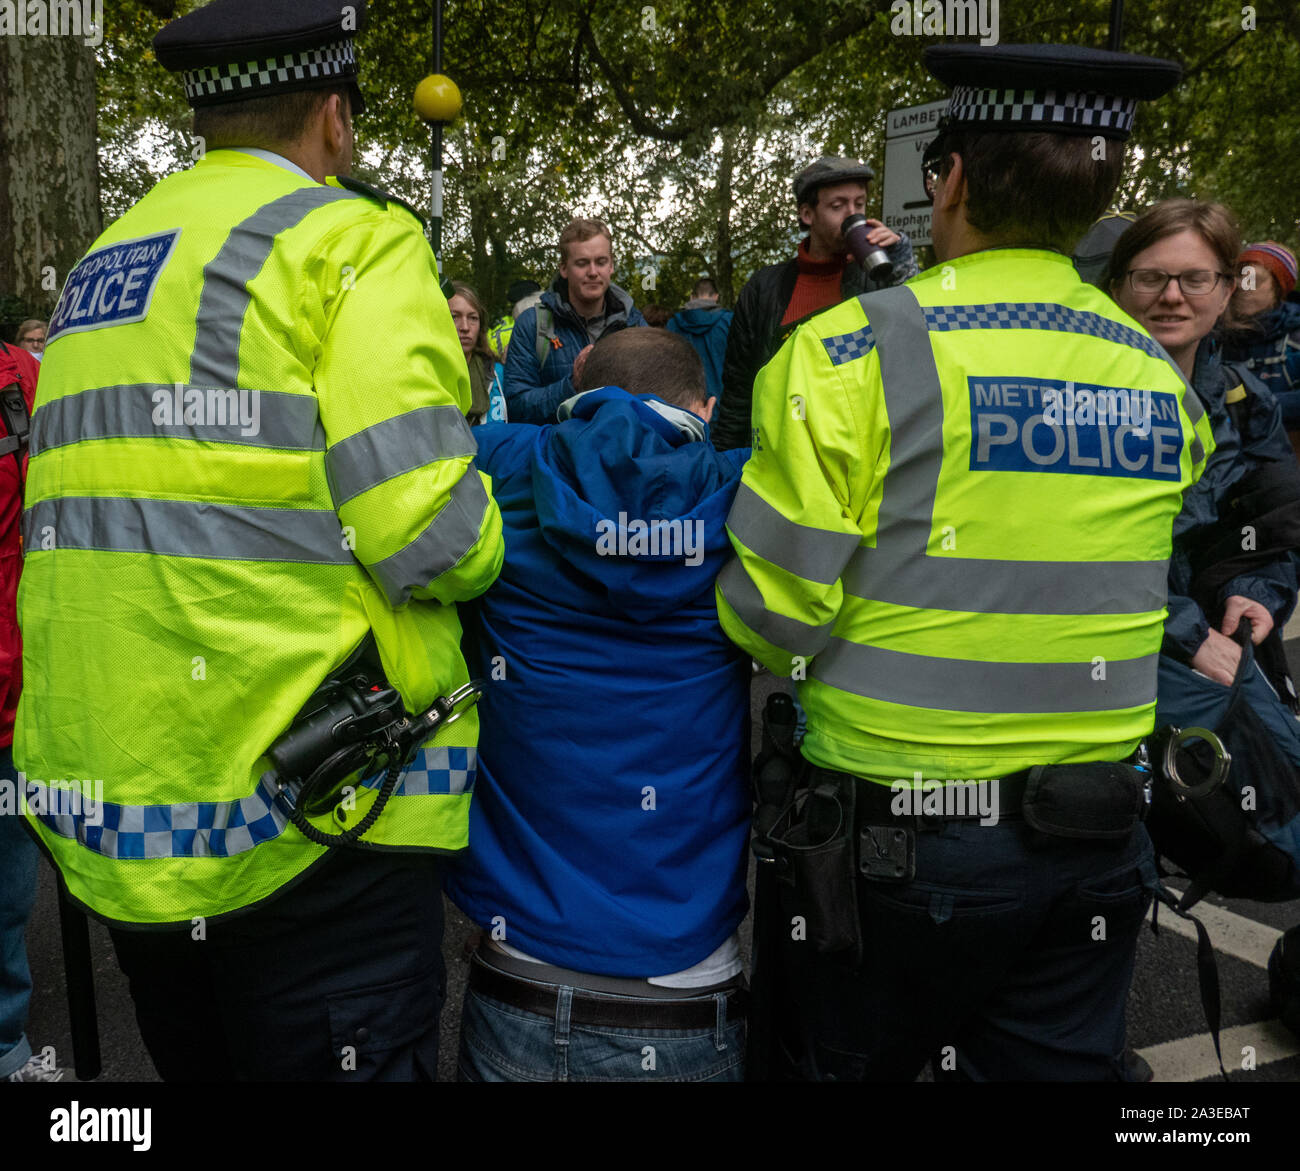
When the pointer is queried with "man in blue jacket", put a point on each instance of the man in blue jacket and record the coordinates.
(551, 341)
(705, 324)
(607, 836)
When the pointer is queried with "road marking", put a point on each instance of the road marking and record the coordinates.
(1229, 932)
(1191, 1059)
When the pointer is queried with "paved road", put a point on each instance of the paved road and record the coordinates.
(1165, 1020)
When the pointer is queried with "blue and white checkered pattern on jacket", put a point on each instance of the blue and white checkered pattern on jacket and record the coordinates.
(845, 347)
(219, 829)
(1001, 315)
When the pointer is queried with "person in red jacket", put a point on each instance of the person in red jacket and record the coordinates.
(17, 850)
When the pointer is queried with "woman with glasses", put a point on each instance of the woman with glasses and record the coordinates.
(1172, 271)
(1235, 540)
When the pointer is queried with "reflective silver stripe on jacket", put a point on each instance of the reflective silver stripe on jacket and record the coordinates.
(986, 586)
(810, 553)
(187, 528)
(445, 542)
(395, 446)
(251, 418)
(961, 685)
(789, 634)
(225, 297)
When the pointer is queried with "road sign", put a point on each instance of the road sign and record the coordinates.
(908, 131)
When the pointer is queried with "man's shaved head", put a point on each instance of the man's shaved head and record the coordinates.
(647, 361)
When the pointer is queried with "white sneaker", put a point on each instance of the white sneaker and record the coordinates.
(36, 1071)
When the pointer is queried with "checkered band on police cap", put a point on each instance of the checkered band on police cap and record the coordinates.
(1055, 110)
(216, 83)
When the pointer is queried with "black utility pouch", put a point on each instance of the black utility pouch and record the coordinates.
(1102, 800)
(813, 848)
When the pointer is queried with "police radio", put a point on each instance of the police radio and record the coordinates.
(353, 723)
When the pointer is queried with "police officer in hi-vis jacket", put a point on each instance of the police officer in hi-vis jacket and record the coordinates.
(954, 532)
(250, 460)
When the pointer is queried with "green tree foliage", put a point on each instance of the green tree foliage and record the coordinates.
(682, 123)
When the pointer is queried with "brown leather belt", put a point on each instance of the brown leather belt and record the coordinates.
(603, 1011)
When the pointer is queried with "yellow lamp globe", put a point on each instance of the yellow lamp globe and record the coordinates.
(437, 98)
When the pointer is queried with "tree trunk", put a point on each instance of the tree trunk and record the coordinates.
(722, 272)
(49, 169)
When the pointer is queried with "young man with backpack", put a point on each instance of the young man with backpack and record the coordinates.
(550, 342)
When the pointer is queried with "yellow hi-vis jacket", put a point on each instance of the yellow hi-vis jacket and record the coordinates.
(249, 449)
(956, 522)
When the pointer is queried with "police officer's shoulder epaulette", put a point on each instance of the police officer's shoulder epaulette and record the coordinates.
(376, 193)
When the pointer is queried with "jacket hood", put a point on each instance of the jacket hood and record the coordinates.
(630, 492)
(1281, 319)
(617, 302)
(698, 317)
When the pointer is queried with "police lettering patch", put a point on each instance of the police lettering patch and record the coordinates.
(1044, 425)
(113, 285)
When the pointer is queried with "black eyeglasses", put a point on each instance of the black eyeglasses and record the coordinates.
(1196, 282)
(931, 162)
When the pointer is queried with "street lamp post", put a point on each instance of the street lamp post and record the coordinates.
(437, 101)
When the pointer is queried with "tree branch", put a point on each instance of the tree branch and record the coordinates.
(801, 52)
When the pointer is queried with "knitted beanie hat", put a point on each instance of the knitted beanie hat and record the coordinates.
(1278, 260)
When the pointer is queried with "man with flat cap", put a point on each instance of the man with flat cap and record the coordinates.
(823, 273)
(954, 531)
(252, 494)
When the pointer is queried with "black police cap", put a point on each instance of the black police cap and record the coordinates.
(1092, 252)
(521, 289)
(1062, 88)
(232, 50)
(827, 170)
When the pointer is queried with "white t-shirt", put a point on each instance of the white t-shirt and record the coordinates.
(722, 965)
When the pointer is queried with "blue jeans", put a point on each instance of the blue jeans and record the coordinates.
(18, 859)
(501, 1043)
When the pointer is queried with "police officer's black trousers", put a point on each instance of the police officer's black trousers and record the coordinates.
(338, 978)
(1008, 957)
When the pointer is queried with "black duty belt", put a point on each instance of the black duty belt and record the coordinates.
(603, 1011)
(955, 801)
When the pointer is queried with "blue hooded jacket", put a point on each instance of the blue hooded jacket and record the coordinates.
(705, 324)
(611, 811)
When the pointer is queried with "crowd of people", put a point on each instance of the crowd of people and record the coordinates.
(261, 621)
